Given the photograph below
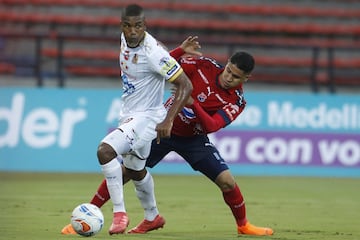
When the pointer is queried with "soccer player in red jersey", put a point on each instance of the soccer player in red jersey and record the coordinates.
(217, 100)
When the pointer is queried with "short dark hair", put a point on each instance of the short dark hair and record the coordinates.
(244, 61)
(132, 10)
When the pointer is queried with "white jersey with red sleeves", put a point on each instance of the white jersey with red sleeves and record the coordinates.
(144, 70)
(226, 104)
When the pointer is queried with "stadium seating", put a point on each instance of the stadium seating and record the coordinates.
(284, 26)
(187, 24)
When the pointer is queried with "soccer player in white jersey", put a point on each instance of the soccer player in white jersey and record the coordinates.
(145, 66)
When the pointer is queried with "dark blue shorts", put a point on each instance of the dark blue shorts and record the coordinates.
(197, 151)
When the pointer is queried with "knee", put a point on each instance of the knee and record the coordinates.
(225, 181)
(226, 185)
(105, 153)
(136, 175)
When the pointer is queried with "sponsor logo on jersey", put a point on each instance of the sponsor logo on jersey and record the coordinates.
(188, 113)
(128, 87)
(183, 118)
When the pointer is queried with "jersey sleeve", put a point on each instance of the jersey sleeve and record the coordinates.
(223, 117)
(177, 53)
(164, 64)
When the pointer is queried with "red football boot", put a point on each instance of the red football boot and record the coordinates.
(119, 224)
(147, 226)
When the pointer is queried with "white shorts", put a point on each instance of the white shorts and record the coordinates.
(132, 139)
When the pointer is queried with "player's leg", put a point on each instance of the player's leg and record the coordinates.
(144, 189)
(212, 165)
(113, 145)
(235, 200)
(144, 186)
(102, 195)
(205, 158)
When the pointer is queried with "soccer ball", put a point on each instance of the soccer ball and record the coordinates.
(87, 219)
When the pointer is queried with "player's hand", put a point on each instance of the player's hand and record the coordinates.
(163, 130)
(191, 46)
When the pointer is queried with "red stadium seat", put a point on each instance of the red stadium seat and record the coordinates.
(7, 68)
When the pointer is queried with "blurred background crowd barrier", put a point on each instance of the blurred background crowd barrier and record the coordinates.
(295, 43)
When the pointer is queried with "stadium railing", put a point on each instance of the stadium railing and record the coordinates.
(319, 70)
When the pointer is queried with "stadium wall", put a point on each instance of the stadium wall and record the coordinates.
(278, 134)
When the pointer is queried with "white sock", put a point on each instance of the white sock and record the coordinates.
(113, 174)
(145, 192)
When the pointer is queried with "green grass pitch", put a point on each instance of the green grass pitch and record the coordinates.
(38, 205)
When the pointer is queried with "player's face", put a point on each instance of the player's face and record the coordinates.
(134, 30)
(232, 76)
